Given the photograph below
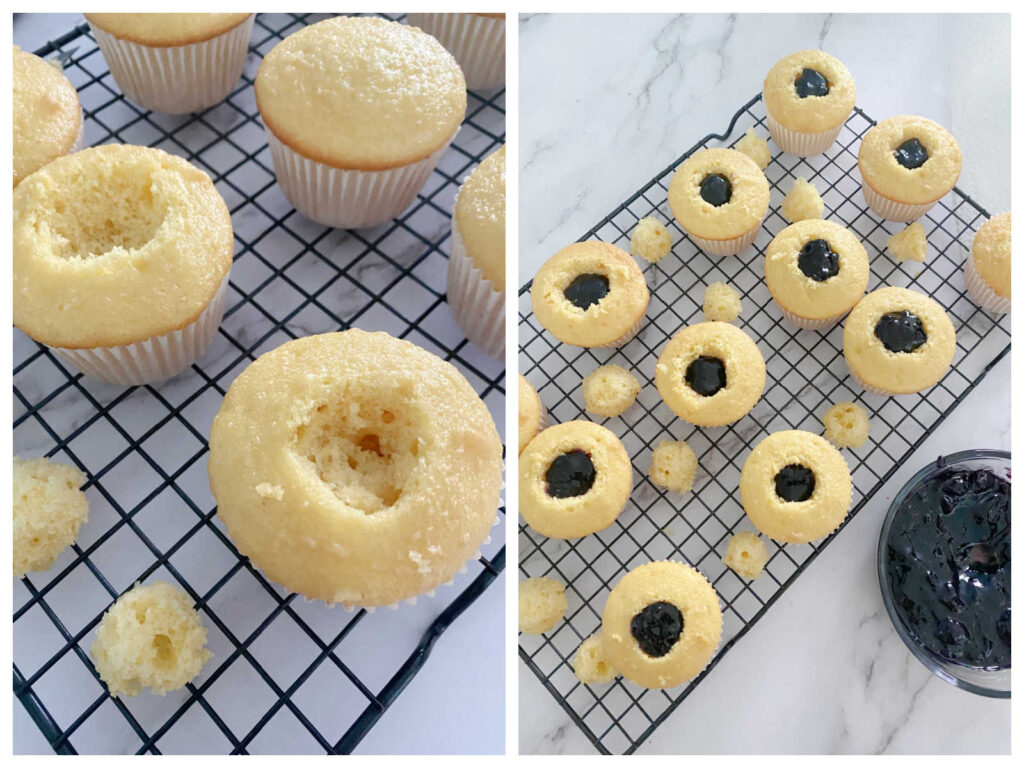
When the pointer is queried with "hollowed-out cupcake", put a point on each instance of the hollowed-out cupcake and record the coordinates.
(476, 40)
(907, 164)
(808, 96)
(174, 62)
(590, 294)
(358, 111)
(720, 197)
(987, 268)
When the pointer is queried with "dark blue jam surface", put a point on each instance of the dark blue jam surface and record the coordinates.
(948, 561)
(586, 290)
(795, 482)
(900, 331)
(715, 189)
(706, 375)
(811, 83)
(570, 474)
(911, 154)
(657, 628)
(818, 261)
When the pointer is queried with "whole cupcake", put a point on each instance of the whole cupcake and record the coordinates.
(590, 294)
(355, 468)
(121, 257)
(987, 268)
(898, 341)
(907, 164)
(358, 111)
(476, 40)
(720, 197)
(47, 116)
(808, 95)
(476, 264)
(174, 62)
(816, 271)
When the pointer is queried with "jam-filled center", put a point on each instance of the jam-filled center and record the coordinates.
(900, 331)
(911, 154)
(811, 83)
(706, 375)
(794, 482)
(586, 290)
(715, 189)
(570, 474)
(657, 628)
(818, 261)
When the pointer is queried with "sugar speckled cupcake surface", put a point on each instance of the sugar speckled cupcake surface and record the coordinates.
(991, 253)
(165, 30)
(888, 171)
(46, 111)
(116, 244)
(480, 217)
(810, 113)
(361, 93)
(531, 412)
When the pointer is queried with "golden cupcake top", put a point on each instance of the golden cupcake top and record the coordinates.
(480, 217)
(718, 194)
(361, 93)
(991, 252)
(164, 30)
(909, 159)
(116, 244)
(46, 111)
(816, 269)
(809, 91)
(531, 412)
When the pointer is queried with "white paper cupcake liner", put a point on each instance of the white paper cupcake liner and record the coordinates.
(476, 42)
(155, 359)
(478, 308)
(981, 293)
(890, 210)
(79, 144)
(178, 79)
(801, 143)
(807, 324)
(347, 199)
(726, 247)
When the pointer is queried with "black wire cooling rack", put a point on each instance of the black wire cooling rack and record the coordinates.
(806, 374)
(286, 675)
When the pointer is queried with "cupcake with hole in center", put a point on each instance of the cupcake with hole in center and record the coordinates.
(476, 40)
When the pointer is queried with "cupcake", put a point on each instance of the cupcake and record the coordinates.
(531, 413)
(906, 164)
(816, 271)
(174, 62)
(476, 40)
(987, 268)
(358, 111)
(121, 257)
(661, 624)
(795, 487)
(898, 341)
(590, 294)
(47, 116)
(710, 374)
(355, 468)
(574, 480)
(720, 197)
(476, 265)
(808, 96)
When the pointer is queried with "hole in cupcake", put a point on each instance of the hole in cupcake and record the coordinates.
(164, 650)
(570, 474)
(363, 445)
(794, 482)
(715, 189)
(586, 290)
(657, 628)
(706, 375)
(900, 331)
(811, 82)
(911, 154)
(818, 261)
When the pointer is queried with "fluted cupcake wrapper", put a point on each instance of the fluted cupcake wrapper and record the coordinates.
(476, 42)
(822, 324)
(177, 79)
(155, 359)
(801, 143)
(478, 307)
(347, 199)
(891, 210)
(981, 292)
(729, 247)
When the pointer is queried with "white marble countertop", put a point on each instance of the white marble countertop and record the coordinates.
(607, 102)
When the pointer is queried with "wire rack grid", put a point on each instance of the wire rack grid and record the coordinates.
(286, 675)
(806, 374)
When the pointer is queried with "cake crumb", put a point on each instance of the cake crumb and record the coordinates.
(756, 148)
(590, 664)
(542, 605)
(651, 241)
(746, 555)
(270, 491)
(721, 302)
(802, 202)
(49, 509)
(673, 466)
(846, 425)
(609, 390)
(911, 244)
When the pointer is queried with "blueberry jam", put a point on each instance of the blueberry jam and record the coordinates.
(811, 83)
(911, 154)
(715, 189)
(586, 290)
(706, 375)
(570, 474)
(900, 331)
(948, 563)
(657, 628)
(794, 482)
(818, 261)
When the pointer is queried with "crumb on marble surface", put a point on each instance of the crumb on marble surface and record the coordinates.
(802, 202)
(721, 302)
(756, 148)
(909, 244)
